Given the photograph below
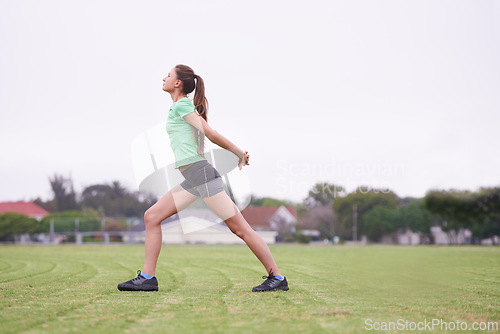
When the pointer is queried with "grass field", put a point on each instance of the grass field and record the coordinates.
(207, 289)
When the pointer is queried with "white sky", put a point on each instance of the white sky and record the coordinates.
(400, 94)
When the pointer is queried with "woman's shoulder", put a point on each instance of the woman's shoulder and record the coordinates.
(184, 102)
(183, 107)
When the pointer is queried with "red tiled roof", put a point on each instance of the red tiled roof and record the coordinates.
(258, 216)
(292, 210)
(29, 209)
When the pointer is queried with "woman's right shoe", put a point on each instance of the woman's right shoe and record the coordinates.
(271, 284)
(140, 283)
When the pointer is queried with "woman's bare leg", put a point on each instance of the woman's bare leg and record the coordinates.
(222, 205)
(177, 199)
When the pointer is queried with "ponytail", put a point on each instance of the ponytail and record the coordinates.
(200, 101)
(190, 82)
(201, 106)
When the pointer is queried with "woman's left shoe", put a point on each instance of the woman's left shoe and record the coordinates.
(271, 283)
(140, 283)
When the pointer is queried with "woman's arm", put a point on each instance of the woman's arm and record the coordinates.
(198, 122)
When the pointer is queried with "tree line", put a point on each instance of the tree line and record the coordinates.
(104, 206)
(110, 200)
(87, 209)
(379, 213)
(328, 208)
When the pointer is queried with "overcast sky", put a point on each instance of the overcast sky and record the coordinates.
(398, 94)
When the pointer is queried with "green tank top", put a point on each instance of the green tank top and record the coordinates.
(181, 133)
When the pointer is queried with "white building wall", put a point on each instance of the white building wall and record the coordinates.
(198, 231)
(408, 238)
(441, 238)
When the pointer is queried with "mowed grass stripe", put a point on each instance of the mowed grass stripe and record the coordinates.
(91, 300)
(208, 288)
(4, 266)
(66, 282)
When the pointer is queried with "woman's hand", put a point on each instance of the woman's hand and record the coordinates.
(243, 157)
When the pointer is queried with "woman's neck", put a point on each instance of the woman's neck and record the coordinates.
(176, 96)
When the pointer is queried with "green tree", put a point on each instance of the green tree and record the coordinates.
(50, 205)
(364, 199)
(486, 214)
(486, 229)
(387, 221)
(269, 201)
(98, 197)
(478, 211)
(454, 208)
(322, 194)
(64, 193)
(415, 217)
(115, 200)
(381, 221)
(15, 224)
(301, 210)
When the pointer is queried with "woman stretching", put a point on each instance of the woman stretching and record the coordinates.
(187, 127)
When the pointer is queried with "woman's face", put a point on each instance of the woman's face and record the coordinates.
(170, 81)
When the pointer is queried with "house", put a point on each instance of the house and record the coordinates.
(29, 209)
(282, 219)
(194, 226)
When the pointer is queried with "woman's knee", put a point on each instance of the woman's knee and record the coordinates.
(240, 230)
(151, 218)
(160, 211)
(239, 233)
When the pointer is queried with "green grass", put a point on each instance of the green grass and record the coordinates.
(207, 289)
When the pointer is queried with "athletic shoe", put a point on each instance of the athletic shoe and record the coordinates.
(271, 283)
(140, 283)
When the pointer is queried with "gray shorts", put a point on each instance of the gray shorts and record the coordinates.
(202, 179)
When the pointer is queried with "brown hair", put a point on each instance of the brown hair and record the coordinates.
(190, 82)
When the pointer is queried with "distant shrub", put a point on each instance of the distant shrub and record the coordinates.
(12, 224)
(303, 239)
